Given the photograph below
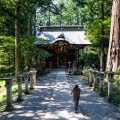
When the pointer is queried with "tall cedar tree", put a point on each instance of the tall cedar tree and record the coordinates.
(113, 60)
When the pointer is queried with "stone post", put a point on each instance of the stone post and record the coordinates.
(34, 77)
(69, 66)
(34, 72)
(94, 78)
(19, 81)
(90, 77)
(101, 78)
(31, 80)
(110, 85)
(26, 77)
(8, 85)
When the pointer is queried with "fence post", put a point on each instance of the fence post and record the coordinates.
(19, 81)
(31, 80)
(8, 85)
(69, 66)
(94, 78)
(90, 77)
(34, 76)
(110, 85)
(33, 72)
(101, 78)
(26, 76)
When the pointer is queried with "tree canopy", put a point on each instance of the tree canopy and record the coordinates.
(21, 26)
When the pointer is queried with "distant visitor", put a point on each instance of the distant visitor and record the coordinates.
(76, 96)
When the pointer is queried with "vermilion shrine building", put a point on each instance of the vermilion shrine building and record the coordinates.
(66, 43)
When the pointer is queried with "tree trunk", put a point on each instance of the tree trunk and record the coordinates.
(113, 59)
(35, 23)
(29, 26)
(77, 17)
(102, 56)
(49, 23)
(17, 40)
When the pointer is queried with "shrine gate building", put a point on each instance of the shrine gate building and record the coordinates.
(65, 44)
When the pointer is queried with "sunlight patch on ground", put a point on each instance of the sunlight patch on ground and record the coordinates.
(43, 86)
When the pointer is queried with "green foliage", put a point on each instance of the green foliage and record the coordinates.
(116, 88)
(94, 32)
(65, 12)
(116, 91)
(90, 57)
(31, 53)
(6, 52)
(85, 71)
(117, 77)
(3, 94)
(27, 9)
(2, 83)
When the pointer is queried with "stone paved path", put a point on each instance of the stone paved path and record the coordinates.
(36, 103)
(92, 106)
(61, 106)
(51, 100)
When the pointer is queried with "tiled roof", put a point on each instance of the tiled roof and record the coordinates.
(72, 37)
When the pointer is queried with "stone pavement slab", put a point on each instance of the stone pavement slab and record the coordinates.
(92, 105)
(61, 105)
(51, 100)
(36, 103)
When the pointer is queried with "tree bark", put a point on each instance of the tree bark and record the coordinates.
(113, 59)
(102, 56)
(29, 26)
(17, 40)
(35, 23)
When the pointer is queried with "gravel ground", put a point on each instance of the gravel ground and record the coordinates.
(92, 106)
(36, 103)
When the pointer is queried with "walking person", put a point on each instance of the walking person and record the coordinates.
(76, 96)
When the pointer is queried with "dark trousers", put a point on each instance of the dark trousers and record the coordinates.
(76, 101)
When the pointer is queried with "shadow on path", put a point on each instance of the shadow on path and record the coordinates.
(92, 104)
(36, 103)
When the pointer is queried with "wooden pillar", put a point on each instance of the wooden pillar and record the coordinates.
(77, 56)
(54, 61)
(67, 64)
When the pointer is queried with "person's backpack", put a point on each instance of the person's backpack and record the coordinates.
(76, 92)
